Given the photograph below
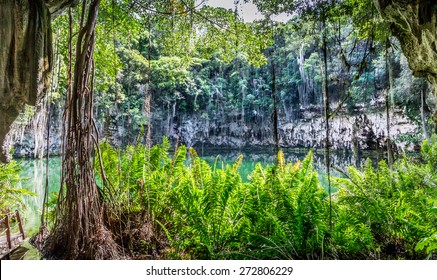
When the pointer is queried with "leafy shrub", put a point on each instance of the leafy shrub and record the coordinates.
(397, 206)
(181, 207)
(287, 210)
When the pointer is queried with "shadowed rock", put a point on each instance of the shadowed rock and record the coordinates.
(25, 56)
(414, 23)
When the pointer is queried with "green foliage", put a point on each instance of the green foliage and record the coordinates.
(227, 35)
(170, 75)
(392, 209)
(287, 210)
(208, 217)
(188, 205)
(430, 243)
(185, 208)
(429, 154)
(207, 62)
(11, 196)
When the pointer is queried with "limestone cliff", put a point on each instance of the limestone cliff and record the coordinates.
(361, 131)
(25, 56)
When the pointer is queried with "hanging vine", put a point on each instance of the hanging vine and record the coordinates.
(79, 231)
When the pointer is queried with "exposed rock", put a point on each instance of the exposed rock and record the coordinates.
(414, 23)
(58, 6)
(25, 56)
(363, 131)
(366, 131)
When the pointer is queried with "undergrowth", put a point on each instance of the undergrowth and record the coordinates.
(178, 207)
(11, 196)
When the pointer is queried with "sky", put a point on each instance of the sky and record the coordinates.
(247, 11)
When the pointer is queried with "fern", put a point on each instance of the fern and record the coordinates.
(193, 210)
(11, 196)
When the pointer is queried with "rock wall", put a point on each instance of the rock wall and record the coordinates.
(25, 56)
(414, 23)
(363, 131)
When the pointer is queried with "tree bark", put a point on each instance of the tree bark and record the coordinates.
(275, 110)
(388, 71)
(326, 114)
(79, 231)
(435, 122)
(148, 98)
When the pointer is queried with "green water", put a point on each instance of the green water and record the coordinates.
(34, 171)
(340, 160)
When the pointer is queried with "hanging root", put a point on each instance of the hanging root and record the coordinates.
(136, 234)
(97, 244)
(38, 239)
(79, 231)
(434, 117)
(101, 246)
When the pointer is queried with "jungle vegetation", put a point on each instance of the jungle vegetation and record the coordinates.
(117, 61)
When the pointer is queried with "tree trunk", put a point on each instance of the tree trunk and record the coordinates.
(243, 94)
(326, 115)
(302, 89)
(387, 102)
(434, 117)
(149, 88)
(275, 109)
(79, 231)
(422, 113)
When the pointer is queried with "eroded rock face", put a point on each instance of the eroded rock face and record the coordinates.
(367, 131)
(363, 131)
(25, 56)
(414, 23)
